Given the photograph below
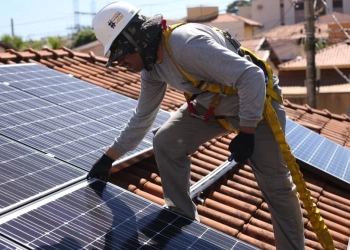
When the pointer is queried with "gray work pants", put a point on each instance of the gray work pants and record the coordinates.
(181, 136)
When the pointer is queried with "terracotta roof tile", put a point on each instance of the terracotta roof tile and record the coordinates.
(234, 205)
(293, 31)
(335, 55)
(228, 17)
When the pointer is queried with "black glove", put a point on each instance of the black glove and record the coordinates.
(101, 168)
(241, 147)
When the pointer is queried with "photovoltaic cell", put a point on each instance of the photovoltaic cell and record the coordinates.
(27, 174)
(69, 118)
(102, 216)
(76, 95)
(318, 151)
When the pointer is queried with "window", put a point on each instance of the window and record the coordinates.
(299, 6)
(338, 4)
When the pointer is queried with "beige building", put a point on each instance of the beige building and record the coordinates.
(273, 13)
(240, 27)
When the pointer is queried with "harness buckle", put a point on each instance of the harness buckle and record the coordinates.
(193, 112)
(221, 91)
(197, 116)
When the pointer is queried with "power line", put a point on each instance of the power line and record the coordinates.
(38, 21)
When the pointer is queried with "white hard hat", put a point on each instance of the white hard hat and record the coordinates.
(111, 20)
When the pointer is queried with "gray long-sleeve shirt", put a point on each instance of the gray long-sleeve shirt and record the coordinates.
(205, 54)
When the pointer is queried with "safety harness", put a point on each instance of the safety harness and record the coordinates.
(271, 118)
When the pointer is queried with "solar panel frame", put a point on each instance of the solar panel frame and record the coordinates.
(94, 214)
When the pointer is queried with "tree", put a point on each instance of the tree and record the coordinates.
(55, 42)
(15, 42)
(35, 44)
(84, 37)
(233, 7)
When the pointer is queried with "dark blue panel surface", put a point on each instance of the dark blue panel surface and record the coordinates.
(318, 151)
(27, 174)
(64, 116)
(100, 216)
(53, 129)
(87, 99)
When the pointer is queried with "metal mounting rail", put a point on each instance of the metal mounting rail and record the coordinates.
(209, 179)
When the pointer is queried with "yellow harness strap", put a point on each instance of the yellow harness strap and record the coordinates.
(271, 118)
(316, 219)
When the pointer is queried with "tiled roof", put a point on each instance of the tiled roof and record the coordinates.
(234, 205)
(329, 18)
(335, 55)
(255, 46)
(293, 32)
(228, 17)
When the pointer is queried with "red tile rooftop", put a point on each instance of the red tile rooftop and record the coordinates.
(234, 204)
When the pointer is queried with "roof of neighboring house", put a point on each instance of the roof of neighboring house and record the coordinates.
(228, 17)
(297, 90)
(234, 205)
(293, 32)
(329, 18)
(335, 55)
(255, 46)
(262, 48)
(88, 45)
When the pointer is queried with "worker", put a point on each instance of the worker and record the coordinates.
(202, 52)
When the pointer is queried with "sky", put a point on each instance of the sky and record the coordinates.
(34, 19)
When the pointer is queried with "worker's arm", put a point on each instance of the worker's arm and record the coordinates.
(248, 130)
(152, 93)
(112, 154)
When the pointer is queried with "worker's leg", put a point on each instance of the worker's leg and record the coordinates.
(179, 137)
(276, 184)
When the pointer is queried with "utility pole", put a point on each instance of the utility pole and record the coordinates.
(282, 12)
(310, 81)
(12, 28)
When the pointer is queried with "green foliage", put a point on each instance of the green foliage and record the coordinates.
(84, 37)
(34, 44)
(18, 44)
(233, 7)
(55, 42)
(15, 42)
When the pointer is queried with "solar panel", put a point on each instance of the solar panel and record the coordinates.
(7, 245)
(76, 138)
(76, 95)
(97, 215)
(318, 151)
(27, 174)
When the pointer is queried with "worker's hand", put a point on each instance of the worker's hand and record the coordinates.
(241, 147)
(101, 168)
